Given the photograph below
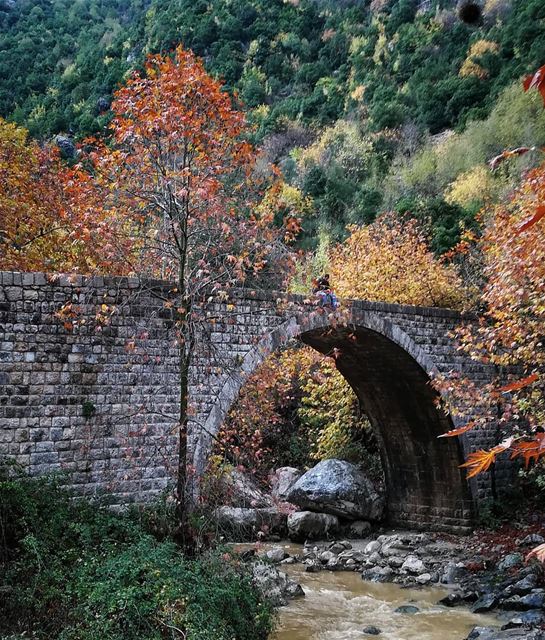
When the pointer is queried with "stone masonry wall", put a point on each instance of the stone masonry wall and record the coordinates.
(97, 401)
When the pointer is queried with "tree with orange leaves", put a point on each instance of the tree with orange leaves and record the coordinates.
(32, 217)
(30, 200)
(43, 223)
(390, 261)
(176, 177)
(511, 333)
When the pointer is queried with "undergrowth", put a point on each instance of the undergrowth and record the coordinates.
(73, 570)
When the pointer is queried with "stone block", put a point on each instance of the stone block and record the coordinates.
(13, 294)
(43, 459)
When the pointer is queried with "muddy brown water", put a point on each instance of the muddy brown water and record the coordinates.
(338, 605)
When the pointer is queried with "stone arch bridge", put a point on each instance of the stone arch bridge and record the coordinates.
(91, 389)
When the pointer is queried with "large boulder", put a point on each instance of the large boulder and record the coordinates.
(308, 525)
(241, 490)
(339, 488)
(238, 523)
(282, 480)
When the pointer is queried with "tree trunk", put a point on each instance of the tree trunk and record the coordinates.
(185, 497)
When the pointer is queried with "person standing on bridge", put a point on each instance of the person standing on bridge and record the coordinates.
(326, 299)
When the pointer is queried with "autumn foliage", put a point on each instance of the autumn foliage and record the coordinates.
(32, 214)
(510, 334)
(536, 81)
(390, 261)
(296, 409)
(513, 327)
(261, 426)
(53, 217)
(173, 179)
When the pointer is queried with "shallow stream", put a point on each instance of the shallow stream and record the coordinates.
(339, 605)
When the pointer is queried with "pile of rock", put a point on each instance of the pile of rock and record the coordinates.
(276, 586)
(510, 587)
(488, 633)
(335, 500)
(338, 556)
(407, 558)
(331, 499)
(412, 559)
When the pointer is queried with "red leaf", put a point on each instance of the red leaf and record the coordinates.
(536, 81)
(519, 384)
(519, 151)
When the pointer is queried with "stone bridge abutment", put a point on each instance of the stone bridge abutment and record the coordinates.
(94, 393)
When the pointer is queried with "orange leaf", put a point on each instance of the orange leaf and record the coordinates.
(536, 81)
(480, 461)
(538, 553)
(530, 450)
(519, 384)
(458, 431)
(540, 212)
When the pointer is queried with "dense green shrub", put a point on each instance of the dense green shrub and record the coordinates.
(73, 570)
(442, 222)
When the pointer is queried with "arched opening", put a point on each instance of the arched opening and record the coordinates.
(389, 373)
(296, 410)
(424, 484)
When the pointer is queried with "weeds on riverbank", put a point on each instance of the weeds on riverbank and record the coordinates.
(72, 570)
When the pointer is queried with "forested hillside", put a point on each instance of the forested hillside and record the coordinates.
(344, 95)
(312, 61)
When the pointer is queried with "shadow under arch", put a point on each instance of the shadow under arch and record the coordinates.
(390, 375)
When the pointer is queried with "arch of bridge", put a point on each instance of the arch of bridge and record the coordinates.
(390, 374)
